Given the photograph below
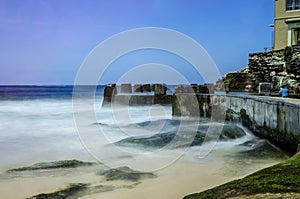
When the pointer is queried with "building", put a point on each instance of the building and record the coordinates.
(286, 23)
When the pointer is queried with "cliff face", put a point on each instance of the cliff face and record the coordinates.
(279, 68)
(264, 66)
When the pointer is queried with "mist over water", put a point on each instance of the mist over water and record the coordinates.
(37, 125)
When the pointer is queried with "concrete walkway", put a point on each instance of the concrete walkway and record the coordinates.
(290, 100)
(270, 99)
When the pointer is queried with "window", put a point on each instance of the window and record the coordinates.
(296, 36)
(292, 5)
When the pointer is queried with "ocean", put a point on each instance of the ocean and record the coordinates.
(37, 124)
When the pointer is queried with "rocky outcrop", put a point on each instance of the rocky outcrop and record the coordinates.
(125, 173)
(236, 81)
(53, 165)
(173, 139)
(281, 67)
(264, 66)
(74, 190)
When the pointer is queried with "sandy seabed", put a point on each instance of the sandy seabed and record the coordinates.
(175, 181)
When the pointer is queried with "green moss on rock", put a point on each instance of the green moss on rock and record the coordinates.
(70, 191)
(281, 178)
(54, 165)
(125, 173)
(183, 139)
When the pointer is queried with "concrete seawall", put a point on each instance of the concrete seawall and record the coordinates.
(275, 119)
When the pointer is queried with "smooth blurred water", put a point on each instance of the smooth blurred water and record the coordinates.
(37, 124)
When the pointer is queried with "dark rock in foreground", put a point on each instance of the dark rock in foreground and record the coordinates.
(75, 190)
(54, 165)
(229, 131)
(279, 181)
(125, 173)
(260, 148)
(72, 190)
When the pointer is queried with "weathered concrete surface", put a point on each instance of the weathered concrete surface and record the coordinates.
(275, 119)
(126, 88)
(146, 88)
(191, 105)
(159, 89)
(141, 99)
(109, 92)
(138, 88)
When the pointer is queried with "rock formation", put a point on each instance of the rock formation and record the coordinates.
(281, 67)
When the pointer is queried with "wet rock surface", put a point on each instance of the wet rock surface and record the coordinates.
(277, 67)
(184, 137)
(71, 191)
(260, 148)
(125, 173)
(125, 177)
(54, 165)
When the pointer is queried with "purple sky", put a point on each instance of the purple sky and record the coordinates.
(46, 41)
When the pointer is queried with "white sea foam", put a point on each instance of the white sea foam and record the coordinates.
(44, 130)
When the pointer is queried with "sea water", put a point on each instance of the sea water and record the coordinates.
(37, 124)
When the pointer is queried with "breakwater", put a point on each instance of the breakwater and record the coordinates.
(275, 119)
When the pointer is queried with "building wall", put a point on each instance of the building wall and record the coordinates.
(284, 23)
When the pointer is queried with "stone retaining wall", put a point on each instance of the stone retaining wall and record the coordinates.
(270, 118)
(276, 120)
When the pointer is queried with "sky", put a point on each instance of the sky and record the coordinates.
(45, 42)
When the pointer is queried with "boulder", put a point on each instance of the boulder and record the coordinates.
(125, 173)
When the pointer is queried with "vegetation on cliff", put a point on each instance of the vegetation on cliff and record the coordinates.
(279, 181)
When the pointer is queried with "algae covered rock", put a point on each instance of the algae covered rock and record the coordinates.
(125, 173)
(260, 148)
(54, 165)
(70, 191)
(185, 137)
(231, 132)
(228, 132)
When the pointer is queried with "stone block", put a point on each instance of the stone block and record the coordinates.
(264, 88)
(110, 91)
(146, 88)
(126, 88)
(210, 87)
(159, 89)
(203, 89)
(185, 89)
(138, 88)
